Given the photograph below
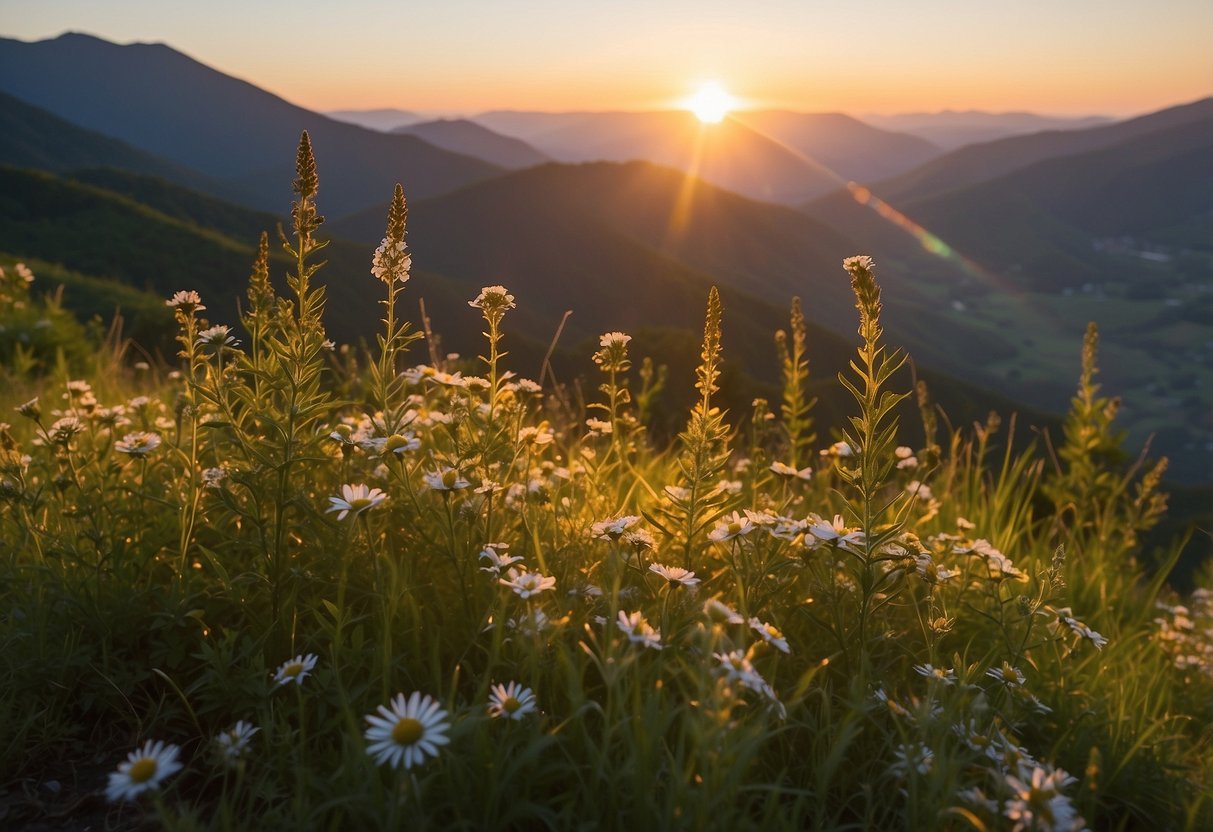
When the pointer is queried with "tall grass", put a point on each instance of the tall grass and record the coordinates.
(742, 630)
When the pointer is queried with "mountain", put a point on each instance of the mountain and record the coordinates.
(950, 129)
(729, 154)
(848, 147)
(981, 162)
(165, 103)
(471, 139)
(1041, 219)
(31, 137)
(1122, 234)
(564, 229)
(384, 120)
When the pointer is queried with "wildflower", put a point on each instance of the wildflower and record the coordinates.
(838, 449)
(525, 584)
(445, 479)
(62, 430)
(1038, 803)
(494, 301)
(30, 409)
(905, 457)
(598, 426)
(187, 302)
(920, 490)
(999, 564)
(295, 670)
(737, 667)
(23, 271)
(511, 701)
(731, 527)
(835, 532)
(613, 527)
(1065, 616)
(498, 560)
(894, 707)
(234, 742)
(614, 339)
(721, 613)
(355, 499)
(785, 470)
(939, 674)
(144, 770)
(391, 262)
(399, 444)
(139, 443)
(217, 336)
(541, 435)
(913, 757)
(1008, 675)
(638, 630)
(408, 732)
(639, 539)
(676, 575)
(930, 571)
(770, 634)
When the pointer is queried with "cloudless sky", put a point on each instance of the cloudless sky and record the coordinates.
(1115, 57)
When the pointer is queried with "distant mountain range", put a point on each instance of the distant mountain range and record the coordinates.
(385, 119)
(165, 103)
(472, 139)
(772, 156)
(950, 129)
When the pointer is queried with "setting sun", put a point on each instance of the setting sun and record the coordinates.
(711, 104)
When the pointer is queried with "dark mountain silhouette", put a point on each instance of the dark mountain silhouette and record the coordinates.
(385, 119)
(950, 129)
(165, 103)
(847, 146)
(30, 137)
(1043, 218)
(982, 162)
(559, 225)
(472, 139)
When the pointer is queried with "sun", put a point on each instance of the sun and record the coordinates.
(711, 103)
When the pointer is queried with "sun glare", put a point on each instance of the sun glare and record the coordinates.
(711, 104)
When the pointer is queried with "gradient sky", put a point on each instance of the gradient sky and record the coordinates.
(1114, 57)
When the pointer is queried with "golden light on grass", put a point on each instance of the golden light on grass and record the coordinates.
(711, 103)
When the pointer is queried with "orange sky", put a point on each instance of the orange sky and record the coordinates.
(1075, 57)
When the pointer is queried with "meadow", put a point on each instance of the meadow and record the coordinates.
(286, 584)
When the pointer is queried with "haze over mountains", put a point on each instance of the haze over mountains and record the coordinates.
(1029, 236)
(950, 129)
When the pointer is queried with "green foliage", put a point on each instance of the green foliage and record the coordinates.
(937, 638)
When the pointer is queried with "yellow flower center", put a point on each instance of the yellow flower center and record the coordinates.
(773, 631)
(449, 478)
(407, 731)
(510, 705)
(734, 528)
(359, 503)
(292, 670)
(142, 770)
(395, 442)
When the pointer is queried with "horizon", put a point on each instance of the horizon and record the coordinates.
(538, 56)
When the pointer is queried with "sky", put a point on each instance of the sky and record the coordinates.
(1063, 57)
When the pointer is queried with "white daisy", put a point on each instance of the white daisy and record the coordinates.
(638, 630)
(525, 584)
(408, 732)
(445, 479)
(770, 634)
(144, 770)
(355, 499)
(785, 470)
(730, 527)
(511, 701)
(676, 575)
(295, 670)
(139, 443)
(234, 742)
(497, 557)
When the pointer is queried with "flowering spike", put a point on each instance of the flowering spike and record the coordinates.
(307, 183)
(708, 371)
(867, 295)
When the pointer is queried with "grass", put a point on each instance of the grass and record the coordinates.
(944, 637)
